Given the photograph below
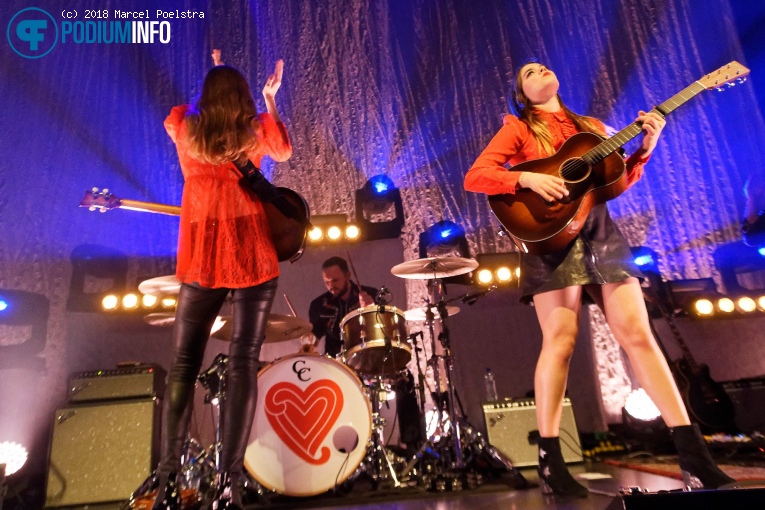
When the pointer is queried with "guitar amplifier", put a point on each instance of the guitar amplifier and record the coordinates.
(747, 396)
(511, 427)
(145, 381)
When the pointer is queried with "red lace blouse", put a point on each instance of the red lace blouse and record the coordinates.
(515, 143)
(224, 239)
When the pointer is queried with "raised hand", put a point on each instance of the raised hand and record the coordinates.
(216, 58)
(274, 81)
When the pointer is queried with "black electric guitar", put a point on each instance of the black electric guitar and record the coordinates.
(288, 234)
(594, 172)
(706, 400)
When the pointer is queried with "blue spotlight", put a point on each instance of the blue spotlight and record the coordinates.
(381, 185)
(643, 260)
(761, 251)
(3, 304)
(442, 238)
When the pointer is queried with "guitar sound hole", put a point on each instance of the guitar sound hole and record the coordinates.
(574, 170)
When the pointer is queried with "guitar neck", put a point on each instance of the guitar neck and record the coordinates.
(138, 205)
(608, 147)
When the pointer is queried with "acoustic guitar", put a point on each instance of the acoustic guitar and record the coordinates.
(288, 234)
(594, 172)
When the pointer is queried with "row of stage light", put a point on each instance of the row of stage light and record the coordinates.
(135, 301)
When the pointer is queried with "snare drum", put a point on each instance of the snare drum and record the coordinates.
(375, 340)
(311, 428)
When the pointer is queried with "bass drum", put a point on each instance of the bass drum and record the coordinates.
(311, 426)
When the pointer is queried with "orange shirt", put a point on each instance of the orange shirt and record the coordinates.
(515, 143)
(224, 239)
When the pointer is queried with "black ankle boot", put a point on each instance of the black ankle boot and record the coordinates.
(699, 469)
(169, 494)
(227, 495)
(554, 477)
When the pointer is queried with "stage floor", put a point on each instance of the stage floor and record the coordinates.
(493, 494)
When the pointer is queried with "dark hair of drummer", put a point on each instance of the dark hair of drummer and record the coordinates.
(336, 261)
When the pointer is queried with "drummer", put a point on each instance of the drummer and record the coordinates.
(343, 296)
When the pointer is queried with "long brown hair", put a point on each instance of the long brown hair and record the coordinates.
(525, 110)
(223, 123)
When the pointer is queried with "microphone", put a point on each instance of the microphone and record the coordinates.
(383, 296)
(471, 297)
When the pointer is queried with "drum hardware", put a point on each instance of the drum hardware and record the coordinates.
(378, 460)
(375, 341)
(214, 380)
(453, 436)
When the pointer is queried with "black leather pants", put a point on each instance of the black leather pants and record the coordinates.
(197, 308)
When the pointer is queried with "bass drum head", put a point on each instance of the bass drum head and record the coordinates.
(311, 426)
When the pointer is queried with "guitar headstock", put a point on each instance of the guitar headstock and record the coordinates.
(100, 200)
(729, 74)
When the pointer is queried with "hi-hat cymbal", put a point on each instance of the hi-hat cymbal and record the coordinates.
(418, 314)
(160, 286)
(279, 328)
(434, 267)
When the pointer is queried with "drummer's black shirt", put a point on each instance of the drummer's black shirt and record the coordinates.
(326, 313)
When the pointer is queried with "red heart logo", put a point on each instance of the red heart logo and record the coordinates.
(303, 418)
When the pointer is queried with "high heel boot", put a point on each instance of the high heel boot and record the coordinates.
(698, 467)
(169, 494)
(554, 477)
(227, 496)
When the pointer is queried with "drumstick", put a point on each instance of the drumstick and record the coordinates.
(350, 263)
(289, 304)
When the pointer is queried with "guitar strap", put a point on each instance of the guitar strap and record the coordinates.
(267, 192)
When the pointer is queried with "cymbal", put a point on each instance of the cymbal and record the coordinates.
(160, 286)
(168, 319)
(279, 328)
(418, 314)
(434, 267)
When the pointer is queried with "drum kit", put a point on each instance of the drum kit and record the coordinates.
(318, 424)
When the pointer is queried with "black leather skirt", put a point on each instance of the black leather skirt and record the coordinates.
(598, 255)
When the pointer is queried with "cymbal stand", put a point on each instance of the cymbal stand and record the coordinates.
(377, 454)
(214, 379)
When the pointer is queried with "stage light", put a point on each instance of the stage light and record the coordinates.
(129, 301)
(3, 305)
(746, 304)
(149, 301)
(499, 268)
(640, 406)
(726, 305)
(333, 229)
(485, 276)
(379, 210)
(352, 232)
(504, 274)
(704, 307)
(334, 233)
(315, 234)
(761, 302)
(761, 251)
(110, 302)
(444, 238)
(645, 258)
(13, 455)
(169, 302)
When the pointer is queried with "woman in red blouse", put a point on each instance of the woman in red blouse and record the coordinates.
(224, 248)
(598, 261)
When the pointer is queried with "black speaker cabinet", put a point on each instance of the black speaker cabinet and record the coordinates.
(511, 427)
(102, 452)
(747, 396)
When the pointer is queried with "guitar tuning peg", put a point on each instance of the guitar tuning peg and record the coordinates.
(92, 208)
(731, 84)
(103, 210)
(106, 191)
(719, 89)
(741, 80)
(94, 190)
